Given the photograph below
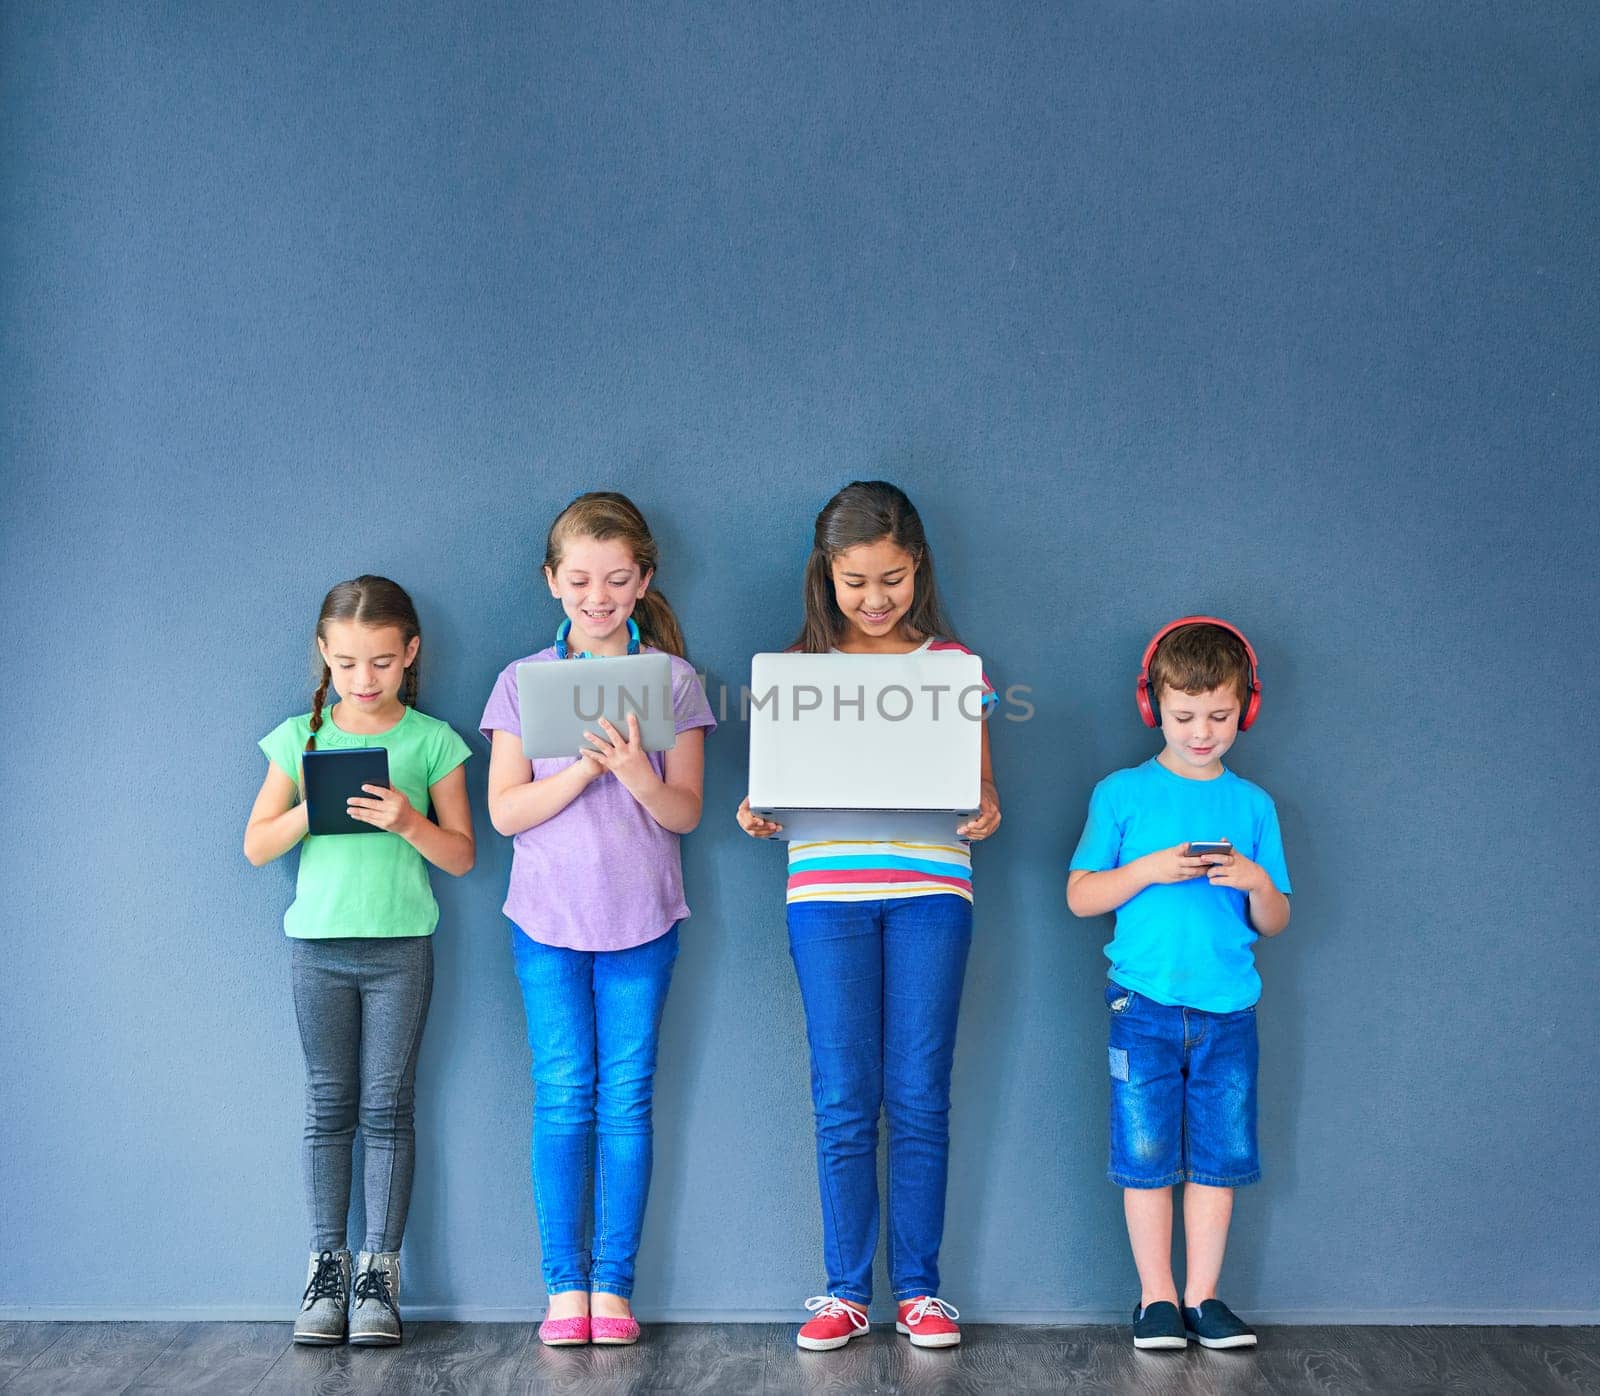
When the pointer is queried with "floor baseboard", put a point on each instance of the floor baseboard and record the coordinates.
(472, 1313)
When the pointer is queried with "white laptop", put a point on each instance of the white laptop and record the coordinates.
(866, 746)
(561, 699)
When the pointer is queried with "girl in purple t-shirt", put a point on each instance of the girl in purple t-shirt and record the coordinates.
(595, 899)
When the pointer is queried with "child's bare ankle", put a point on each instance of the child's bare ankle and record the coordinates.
(603, 1304)
(568, 1303)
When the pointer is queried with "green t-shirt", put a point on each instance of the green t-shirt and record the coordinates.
(367, 884)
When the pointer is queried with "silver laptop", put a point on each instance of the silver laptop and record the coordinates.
(859, 746)
(561, 699)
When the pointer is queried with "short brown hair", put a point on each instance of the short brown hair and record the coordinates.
(1198, 658)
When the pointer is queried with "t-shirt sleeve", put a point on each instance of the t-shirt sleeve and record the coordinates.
(1269, 848)
(282, 747)
(990, 697)
(502, 713)
(446, 752)
(1100, 847)
(689, 706)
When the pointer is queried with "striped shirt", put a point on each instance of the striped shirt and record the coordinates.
(848, 870)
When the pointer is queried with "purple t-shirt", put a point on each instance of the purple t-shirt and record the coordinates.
(602, 874)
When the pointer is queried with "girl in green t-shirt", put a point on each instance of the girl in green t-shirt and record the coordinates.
(361, 956)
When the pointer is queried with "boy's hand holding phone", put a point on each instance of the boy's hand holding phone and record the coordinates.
(1175, 864)
(1237, 871)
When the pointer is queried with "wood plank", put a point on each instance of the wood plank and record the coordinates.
(863, 1365)
(1545, 1361)
(1312, 1358)
(1035, 1358)
(669, 1357)
(1559, 1359)
(988, 1360)
(698, 1359)
(226, 1358)
(1101, 1359)
(1400, 1360)
(335, 1371)
(97, 1357)
(484, 1358)
(501, 1359)
(22, 1342)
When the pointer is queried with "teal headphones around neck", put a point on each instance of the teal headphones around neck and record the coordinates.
(565, 629)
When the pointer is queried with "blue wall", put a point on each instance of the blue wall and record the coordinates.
(1281, 311)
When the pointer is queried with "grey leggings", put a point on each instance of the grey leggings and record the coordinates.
(361, 1005)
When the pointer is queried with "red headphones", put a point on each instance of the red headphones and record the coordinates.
(1142, 695)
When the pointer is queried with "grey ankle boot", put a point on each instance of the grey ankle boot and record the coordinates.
(325, 1303)
(375, 1318)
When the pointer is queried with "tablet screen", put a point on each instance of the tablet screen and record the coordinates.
(332, 777)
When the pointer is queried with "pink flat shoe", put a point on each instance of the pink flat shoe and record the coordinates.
(614, 1332)
(565, 1332)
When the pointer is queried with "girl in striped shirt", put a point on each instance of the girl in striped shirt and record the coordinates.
(879, 934)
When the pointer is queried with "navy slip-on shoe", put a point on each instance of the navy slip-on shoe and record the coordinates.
(1215, 1325)
(1158, 1326)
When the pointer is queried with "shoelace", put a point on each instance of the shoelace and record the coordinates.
(327, 1282)
(374, 1284)
(826, 1306)
(920, 1310)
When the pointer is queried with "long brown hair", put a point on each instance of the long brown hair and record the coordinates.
(863, 512)
(604, 515)
(367, 600)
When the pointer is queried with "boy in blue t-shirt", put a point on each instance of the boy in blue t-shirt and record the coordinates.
(1183, 978)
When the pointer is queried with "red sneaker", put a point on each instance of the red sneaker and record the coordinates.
(835, 1324)
(928, 1322)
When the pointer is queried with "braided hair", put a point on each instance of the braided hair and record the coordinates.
(367, 600)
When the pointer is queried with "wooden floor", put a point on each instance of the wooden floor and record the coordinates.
(756, 1358)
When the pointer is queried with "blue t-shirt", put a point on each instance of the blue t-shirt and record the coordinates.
(1182, 943)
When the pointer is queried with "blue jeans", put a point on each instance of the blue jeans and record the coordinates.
(881, 984)
(1183, 1094)
(593, 1020)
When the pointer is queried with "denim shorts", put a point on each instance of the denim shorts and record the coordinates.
(1183, 1094)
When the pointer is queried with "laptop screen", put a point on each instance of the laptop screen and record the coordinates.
(859, 731)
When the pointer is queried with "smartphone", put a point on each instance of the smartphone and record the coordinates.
(1200, 850)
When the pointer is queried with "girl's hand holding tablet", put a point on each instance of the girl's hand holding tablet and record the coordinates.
(386, 809)
(623, 756)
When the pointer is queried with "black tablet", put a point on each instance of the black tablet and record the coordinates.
(332, 777)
